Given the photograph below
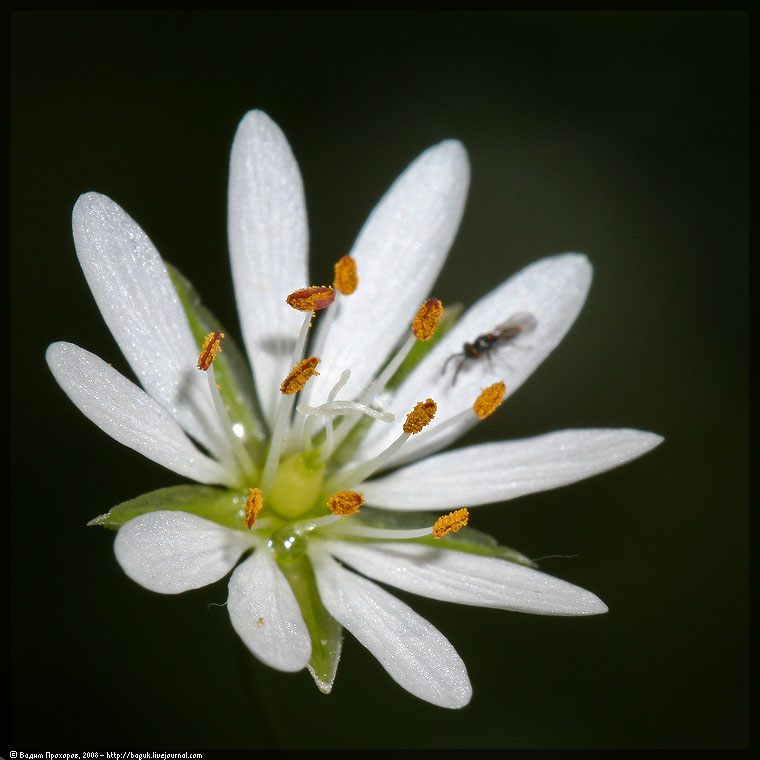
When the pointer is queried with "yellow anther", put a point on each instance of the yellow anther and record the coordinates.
(345, 503)
(450, 523)
(489, 400)
(427, 318)
(421, 415)
(299, 375)
(253, 505)
(211, 344)
(311, 299)
(346, 279)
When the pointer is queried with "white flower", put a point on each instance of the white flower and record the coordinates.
(292, 593)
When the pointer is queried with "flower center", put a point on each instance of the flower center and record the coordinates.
(297, 487)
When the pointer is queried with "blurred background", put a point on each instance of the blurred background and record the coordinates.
(622, 135)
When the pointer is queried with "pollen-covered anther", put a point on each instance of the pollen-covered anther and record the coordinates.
(346, 279)
(451, 523)
(345, 503)
(311, 299)
(253, 505)
(420, 416)
(211, 344)
(489, 400)
(299, 375)
(426, 320)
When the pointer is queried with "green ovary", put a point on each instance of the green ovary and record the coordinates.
(296, 487)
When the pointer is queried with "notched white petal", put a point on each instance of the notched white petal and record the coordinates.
(454, 576)
(266, 615)
(128, 414)
(268, 239)
(399, 253)
(493, 472)
(140, 305)
(170, 552)
(415, 654)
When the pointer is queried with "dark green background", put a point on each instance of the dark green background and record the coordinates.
(623, 135)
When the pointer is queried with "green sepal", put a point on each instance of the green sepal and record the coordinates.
(326, 633)
(468, 539)
(230, 367)
(221, 505)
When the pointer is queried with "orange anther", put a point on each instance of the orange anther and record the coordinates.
(299, 375)
(311, 299)
(346, 279)
(420, 416)
(426, 320)
(450, 523)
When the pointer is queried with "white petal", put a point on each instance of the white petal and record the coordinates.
(266, 615)
(552, 290)
(454, 576)
(493, 472)
(128, 414)
(399, 253)
(268, 239)
(416, 655)
(143, 311)
(171, 552)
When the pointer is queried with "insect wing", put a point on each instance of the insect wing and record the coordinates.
(522, 322)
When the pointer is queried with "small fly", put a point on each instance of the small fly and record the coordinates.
(486, 344)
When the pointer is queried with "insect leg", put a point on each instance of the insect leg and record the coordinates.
(446, 363)
(459, 366)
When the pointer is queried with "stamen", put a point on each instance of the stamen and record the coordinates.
(416, 420)
(211, 344)
(489, 400)
(427, 318)
(451, 523)
(313, 298)
(284, 407)
(485, 404)
(346, 279)
(298, 376)
(350, 528)
(423, 327)
(306, 526)
(346, 282)
(253, 506)
(421, 416)
(345, 503)
(239, 451)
